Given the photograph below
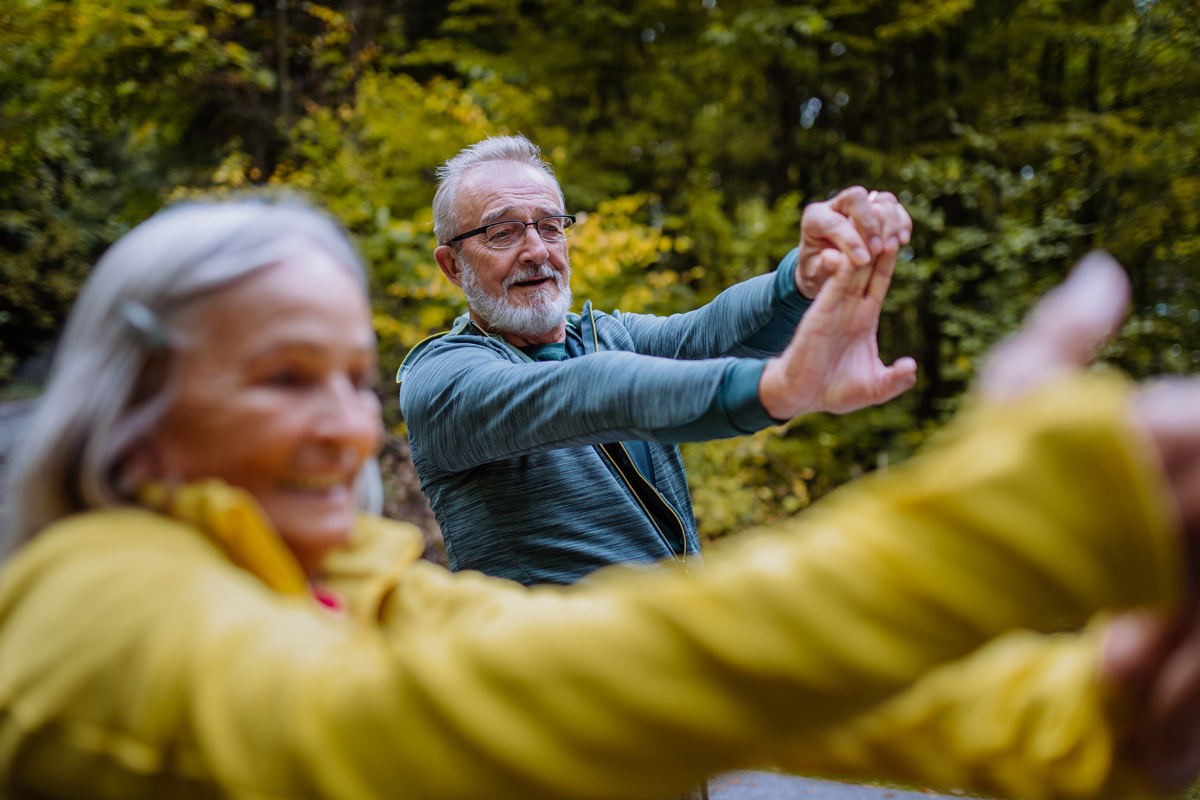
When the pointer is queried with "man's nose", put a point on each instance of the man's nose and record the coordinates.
(533, 248)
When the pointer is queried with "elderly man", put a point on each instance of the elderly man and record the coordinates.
(547, 441)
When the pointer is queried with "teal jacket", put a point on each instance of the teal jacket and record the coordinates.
(532, 467)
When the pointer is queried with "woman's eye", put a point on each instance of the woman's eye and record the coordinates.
(288, 379)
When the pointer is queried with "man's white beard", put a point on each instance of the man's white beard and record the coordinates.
(541, 315)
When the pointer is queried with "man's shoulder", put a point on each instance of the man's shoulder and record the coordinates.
(606, 329)
(466, 337)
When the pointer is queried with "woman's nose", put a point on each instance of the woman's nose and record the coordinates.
(349, 414)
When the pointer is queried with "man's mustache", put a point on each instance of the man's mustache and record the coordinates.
(529, 273)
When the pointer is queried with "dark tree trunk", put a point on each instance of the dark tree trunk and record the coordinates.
(281, 46)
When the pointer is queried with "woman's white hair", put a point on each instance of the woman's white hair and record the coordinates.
(109, 381)
(516, 149)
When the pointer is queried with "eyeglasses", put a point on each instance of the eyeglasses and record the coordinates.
(502, 235)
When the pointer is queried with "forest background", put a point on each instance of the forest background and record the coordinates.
(688, 135)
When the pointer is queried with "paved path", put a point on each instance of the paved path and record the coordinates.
(769, 786)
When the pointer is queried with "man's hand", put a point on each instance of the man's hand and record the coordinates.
(858, 224)
(832, 363)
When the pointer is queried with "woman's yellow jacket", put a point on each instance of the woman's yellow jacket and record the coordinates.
(899, 628)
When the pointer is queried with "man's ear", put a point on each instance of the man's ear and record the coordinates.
(447, 259)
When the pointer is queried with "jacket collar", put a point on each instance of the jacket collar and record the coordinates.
(234, 519)
(465, 326)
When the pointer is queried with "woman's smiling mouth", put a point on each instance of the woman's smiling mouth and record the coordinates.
(316, 483)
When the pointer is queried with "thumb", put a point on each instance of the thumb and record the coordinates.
(837, 286)
(897, 379)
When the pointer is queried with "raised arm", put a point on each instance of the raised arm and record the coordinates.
(757, 318)
(1027, 715)
(468, 404)
(1035, 512)
(482, 688)
(752, 319)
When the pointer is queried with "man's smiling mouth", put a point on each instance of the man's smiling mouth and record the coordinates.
(532, 282)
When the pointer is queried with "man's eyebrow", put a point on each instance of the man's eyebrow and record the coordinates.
(498, 214)
(503, 214)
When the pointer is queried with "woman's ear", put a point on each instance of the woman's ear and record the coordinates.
(447, 259)
(142, 464)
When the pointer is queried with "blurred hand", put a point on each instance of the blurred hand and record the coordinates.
(1152, 658)
(832, 363)
(855, 223)
(1166, 737)
(1065, 330)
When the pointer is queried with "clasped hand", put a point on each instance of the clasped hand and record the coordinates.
(848, 249)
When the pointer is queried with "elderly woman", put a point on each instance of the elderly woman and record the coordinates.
(197, 608)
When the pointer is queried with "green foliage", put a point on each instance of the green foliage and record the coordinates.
(94, 95)
(688, 132)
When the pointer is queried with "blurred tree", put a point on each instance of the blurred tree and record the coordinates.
(690, 133)
(1019, 135)
(107, 106)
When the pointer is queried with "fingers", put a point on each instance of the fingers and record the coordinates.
(1168, 740)
(822, 225)
(867, 280)
(1169, 415)
(861, 279)
(1169, 410)
(1135, 644)
(856, 203)
(812, 276)
(881, 276)
(904, 223)
(1081, 315)
(895, 223)
(1150, 658)
(838, 286)
(862, 224)
(1065, 330)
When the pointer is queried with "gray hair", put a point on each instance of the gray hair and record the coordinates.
(516, 149)
(107, 387)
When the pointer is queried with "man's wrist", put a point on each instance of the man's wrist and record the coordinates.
(740, 398)
(788, 289)
(776, 394)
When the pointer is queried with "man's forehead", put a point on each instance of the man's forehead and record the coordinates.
(498, 188)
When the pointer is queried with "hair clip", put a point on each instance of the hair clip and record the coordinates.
(145, 324)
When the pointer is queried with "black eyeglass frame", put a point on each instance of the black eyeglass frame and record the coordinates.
(478, 231)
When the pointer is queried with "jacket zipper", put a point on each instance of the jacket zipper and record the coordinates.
(604, 448)
(680, 557)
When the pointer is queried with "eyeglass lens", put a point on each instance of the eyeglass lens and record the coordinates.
(510, 234)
